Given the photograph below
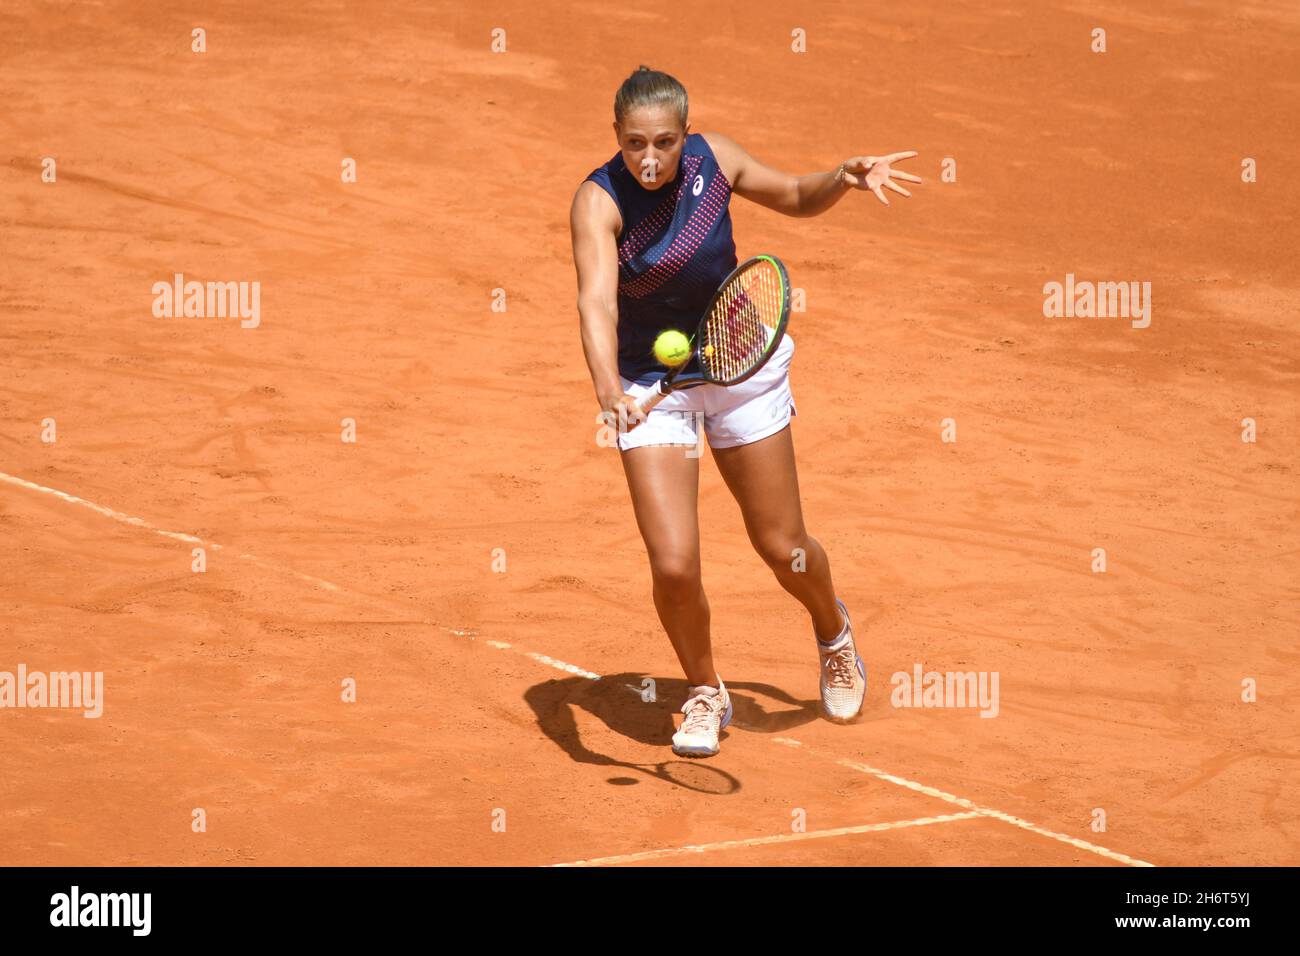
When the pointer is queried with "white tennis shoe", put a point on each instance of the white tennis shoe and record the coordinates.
(843, 676)
(708, 711)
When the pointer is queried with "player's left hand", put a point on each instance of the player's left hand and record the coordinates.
(875, 173)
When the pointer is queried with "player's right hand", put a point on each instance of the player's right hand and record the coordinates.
(622, 412)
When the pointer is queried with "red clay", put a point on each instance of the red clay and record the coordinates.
(476, 431)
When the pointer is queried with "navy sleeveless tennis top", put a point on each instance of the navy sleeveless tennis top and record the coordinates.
(673, 253)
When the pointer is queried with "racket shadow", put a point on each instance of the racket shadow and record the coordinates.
(631, 707)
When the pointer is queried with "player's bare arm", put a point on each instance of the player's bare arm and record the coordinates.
(594, 225)
(813, 193)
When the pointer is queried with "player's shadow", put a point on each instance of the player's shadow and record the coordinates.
(628, 706)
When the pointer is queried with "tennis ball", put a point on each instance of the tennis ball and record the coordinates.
(672, 347)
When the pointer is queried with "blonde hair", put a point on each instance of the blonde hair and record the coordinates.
(647, 87)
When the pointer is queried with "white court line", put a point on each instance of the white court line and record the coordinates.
(574, 669)
(768, 840)
(548, 661)
(963, 802)
(107, 512)
(192, 539)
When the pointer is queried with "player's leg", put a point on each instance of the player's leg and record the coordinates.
(662, 464)
(664, 483)
(764, 481)
(762, 476)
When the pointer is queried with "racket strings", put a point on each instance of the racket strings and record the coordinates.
(742, 324)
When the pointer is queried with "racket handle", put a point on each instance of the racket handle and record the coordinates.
(651, 398)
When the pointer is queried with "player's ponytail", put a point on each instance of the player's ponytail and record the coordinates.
(647, 87)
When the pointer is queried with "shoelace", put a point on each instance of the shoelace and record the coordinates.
(700, 712)
(841, 664)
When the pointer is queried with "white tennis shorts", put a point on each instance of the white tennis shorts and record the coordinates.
(731, 415)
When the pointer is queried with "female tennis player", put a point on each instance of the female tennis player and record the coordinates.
(652, 243)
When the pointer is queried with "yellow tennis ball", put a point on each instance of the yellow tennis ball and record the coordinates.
(672, 347)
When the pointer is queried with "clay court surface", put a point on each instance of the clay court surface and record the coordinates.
(476, 431)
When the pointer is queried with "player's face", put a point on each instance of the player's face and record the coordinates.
(651, 139)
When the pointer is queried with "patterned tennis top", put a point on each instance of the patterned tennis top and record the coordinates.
(673, 253)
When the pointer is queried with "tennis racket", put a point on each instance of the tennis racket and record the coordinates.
(740, 330)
